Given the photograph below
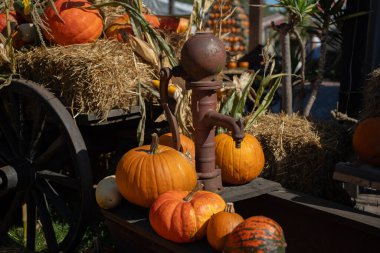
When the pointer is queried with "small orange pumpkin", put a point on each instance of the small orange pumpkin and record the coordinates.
(366, 140)
(78, 25)
(173, 24)
(145, 172)
(188, 146)
(182, 216)
(120, 29)
(239, 165)
(222, 224)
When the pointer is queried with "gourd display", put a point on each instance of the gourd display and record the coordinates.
(239, 165)
(188, 146)
(222, 224)
(366, 140)
(145, 172)
(106, 193)
(182, 216)
(76, 24)
(236, 27)
(256, 234)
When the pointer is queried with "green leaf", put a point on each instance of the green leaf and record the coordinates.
(238, 109)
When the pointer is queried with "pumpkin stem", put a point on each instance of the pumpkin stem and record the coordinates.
(154, 144)
(189, 196)
(229, 207)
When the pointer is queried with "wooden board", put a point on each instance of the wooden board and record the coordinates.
(130, 228)
(359, 174)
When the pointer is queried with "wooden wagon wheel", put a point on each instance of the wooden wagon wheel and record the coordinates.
(44, 169)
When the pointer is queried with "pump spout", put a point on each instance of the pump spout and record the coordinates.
(214, 118)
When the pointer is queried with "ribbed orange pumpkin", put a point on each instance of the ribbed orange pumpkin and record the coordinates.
(239, 165)
(222, 224)
(187, 144)
(256, 234)
(145, 172)
(80, 25)
(366, 140)
(182, 216)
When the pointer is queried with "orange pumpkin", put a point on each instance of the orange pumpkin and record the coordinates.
(366, 141)
(239, 165)
(187, 144)
(152, 20)
(256, 234)
(120, 29)
(222, 224)
(173, 24)
(145, 172)
(78, 25)
(182, 216)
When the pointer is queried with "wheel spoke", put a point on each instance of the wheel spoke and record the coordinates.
(7, 219)
(60, 179)
(47, 224)
(50, 151)
(31, 224)
(54, 198)
(39, 121)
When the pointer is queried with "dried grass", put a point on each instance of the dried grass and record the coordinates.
(88, 78)
(371, 96)
(301, 155)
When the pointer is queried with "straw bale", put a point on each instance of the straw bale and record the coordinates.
(301, 154)
(88, 78)
(371, 96)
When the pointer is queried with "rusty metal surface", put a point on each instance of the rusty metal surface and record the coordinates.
(40, 140)
(203, 56)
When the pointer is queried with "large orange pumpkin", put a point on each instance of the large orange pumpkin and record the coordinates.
(145, 172)
(187, 144)
(78, 25)
(366, 140)
(239, 165)
(222, 224)
(182, 216)
(256, 234)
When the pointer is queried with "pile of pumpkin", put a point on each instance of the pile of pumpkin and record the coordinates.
(235, 27)
(77, 23)
(161, 178)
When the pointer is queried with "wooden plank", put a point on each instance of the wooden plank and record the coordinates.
(254, 188)
(359, 174)
(255, 24)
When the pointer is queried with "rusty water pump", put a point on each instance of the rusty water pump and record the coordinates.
(203, 57)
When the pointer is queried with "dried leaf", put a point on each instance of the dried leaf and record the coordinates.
(144, 50)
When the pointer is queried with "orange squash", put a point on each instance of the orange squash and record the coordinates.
(152, 20)
(145, 172)
(188, 146)
(239, 165)
(182, 216)
(366, 140)
(256, 234)
(78, 25)
(173, 24)
(222, 224)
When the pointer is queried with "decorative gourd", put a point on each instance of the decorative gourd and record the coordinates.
(78, 25)
(121, 27)
(256, 234)
(239, 165)
(366, 141)
(188, 146)
(222, 224)
(106, 193)
(145, 172)
(3, 23)
(173, 24)
(182, 216)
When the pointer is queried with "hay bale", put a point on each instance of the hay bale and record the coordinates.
(88, 78)
(371, 96)
(301, 155)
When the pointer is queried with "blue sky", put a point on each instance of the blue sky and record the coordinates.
(270, 1)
